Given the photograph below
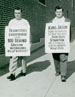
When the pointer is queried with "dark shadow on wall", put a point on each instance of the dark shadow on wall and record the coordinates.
(37, 67)
(4, 69)
(71, 68)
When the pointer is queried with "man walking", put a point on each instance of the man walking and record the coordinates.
(60, 59)
(17, 21)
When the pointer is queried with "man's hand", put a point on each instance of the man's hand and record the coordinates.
(63, 57)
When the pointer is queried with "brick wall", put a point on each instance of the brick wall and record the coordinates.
(31, 11)
(37, 15)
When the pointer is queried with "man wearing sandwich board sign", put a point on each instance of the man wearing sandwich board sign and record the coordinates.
(17, 42)
(57, 41)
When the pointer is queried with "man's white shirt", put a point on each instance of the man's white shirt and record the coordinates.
(22, 22)
(59, 20)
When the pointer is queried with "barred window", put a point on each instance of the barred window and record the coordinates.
(42, 2)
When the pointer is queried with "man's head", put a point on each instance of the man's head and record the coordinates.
(18, 13)
(59, 11)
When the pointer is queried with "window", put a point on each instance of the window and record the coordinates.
(42, 2)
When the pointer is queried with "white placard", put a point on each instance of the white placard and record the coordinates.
(57, 37)
(17, 41)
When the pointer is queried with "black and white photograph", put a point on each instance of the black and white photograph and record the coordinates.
(37, 48)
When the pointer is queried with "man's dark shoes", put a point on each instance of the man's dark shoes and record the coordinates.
(11, 77)
(57, 73)
(63, 78)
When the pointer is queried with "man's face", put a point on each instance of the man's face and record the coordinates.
(17, 14)
(59, 13)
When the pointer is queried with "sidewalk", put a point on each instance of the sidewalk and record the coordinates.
(40, 81)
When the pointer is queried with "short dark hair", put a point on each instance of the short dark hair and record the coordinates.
(18, 8)
(59, 7)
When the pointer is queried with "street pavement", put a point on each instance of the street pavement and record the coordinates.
(40, 80)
